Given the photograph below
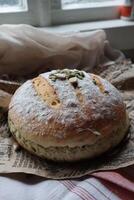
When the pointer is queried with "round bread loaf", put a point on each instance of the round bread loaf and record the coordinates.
(67, 115)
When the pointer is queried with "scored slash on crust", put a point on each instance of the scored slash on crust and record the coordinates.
(98, 83)
(46, 92)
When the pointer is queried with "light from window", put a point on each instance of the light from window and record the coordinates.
(84, 3)
(13, 6)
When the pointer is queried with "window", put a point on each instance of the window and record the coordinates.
(34, 12)
(70, 11)
(12, 6)
(69, 4)
(52, 12)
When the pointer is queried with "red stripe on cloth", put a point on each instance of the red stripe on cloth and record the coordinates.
(83, 190)
(122, 193)
(94, 186)
(127, 172)
(74, 190)
(116, 178)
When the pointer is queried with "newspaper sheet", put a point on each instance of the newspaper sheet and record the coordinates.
(122, 76)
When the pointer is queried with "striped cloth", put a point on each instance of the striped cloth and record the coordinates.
(110, 185)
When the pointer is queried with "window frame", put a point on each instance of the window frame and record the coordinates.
(43, 13)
